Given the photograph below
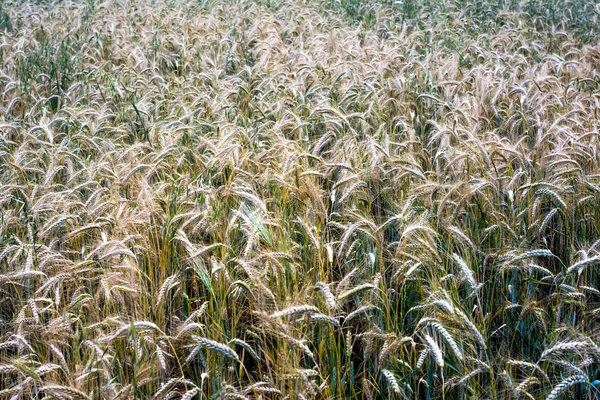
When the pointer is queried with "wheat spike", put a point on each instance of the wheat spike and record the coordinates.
(391, 379)
(466, 271)
(295, 310)
(216, 346)
(438, 356)
(329, 297)
(578, 346)
(579, 266)
(247, 347)
(355, 290)
(69, 391)
(566, 384)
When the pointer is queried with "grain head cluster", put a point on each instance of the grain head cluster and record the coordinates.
(309, 199)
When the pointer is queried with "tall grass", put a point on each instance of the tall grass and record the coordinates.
(305, 199)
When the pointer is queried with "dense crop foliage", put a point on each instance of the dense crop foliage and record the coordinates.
(310, 199)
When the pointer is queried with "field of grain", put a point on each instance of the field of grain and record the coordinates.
(302, 199)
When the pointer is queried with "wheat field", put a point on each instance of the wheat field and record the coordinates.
(302, 199)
